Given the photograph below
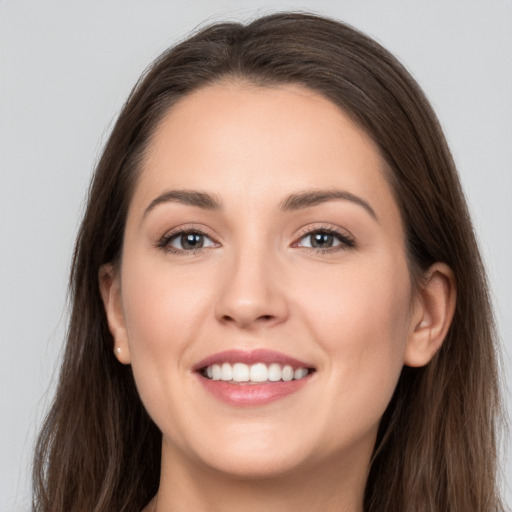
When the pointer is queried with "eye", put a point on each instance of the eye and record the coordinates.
(186, 241)
(325, 239)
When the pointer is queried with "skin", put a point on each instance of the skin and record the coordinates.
(350, 311)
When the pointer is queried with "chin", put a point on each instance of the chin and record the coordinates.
(257, 466)
(252, 451)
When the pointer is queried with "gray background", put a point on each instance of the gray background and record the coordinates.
(67, 66)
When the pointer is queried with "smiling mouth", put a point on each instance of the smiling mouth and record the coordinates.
(258, 373)
(252, 378)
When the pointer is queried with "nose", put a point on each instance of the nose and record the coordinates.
(252, 294)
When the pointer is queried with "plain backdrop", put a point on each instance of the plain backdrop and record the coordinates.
(67, 66)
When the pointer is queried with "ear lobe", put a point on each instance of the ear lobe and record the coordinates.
(110, 289)
(432, 316)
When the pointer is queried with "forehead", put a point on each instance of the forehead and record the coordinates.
(257, 144)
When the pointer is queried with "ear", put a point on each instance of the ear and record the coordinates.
(433, 313)
(110, 289)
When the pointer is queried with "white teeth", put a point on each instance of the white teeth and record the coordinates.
(287, 375)
(240, 372)
(274, 372)
(300, 373)
(226, 372)
(259, 372)
(216, 372)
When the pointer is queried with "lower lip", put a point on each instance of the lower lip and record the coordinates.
(251, 395)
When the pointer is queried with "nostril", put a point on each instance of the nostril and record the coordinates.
(261, 318)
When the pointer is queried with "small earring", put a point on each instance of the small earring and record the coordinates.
(118, 350)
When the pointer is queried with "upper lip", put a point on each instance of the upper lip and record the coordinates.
(249, 357)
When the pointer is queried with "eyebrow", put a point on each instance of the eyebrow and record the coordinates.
(294, 202)
(189, 197)
(309, 198)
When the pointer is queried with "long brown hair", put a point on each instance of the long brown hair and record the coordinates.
(436, 447)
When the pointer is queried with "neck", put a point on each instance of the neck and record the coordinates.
(333, 485)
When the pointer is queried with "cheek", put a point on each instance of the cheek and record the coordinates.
(163, 309)
(164, 312)
(360, 318)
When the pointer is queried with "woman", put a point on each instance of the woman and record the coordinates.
(277, 251)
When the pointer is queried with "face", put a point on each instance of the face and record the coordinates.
(263, 246)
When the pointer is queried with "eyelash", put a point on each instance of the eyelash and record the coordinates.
(165, 242)
(346, 241)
